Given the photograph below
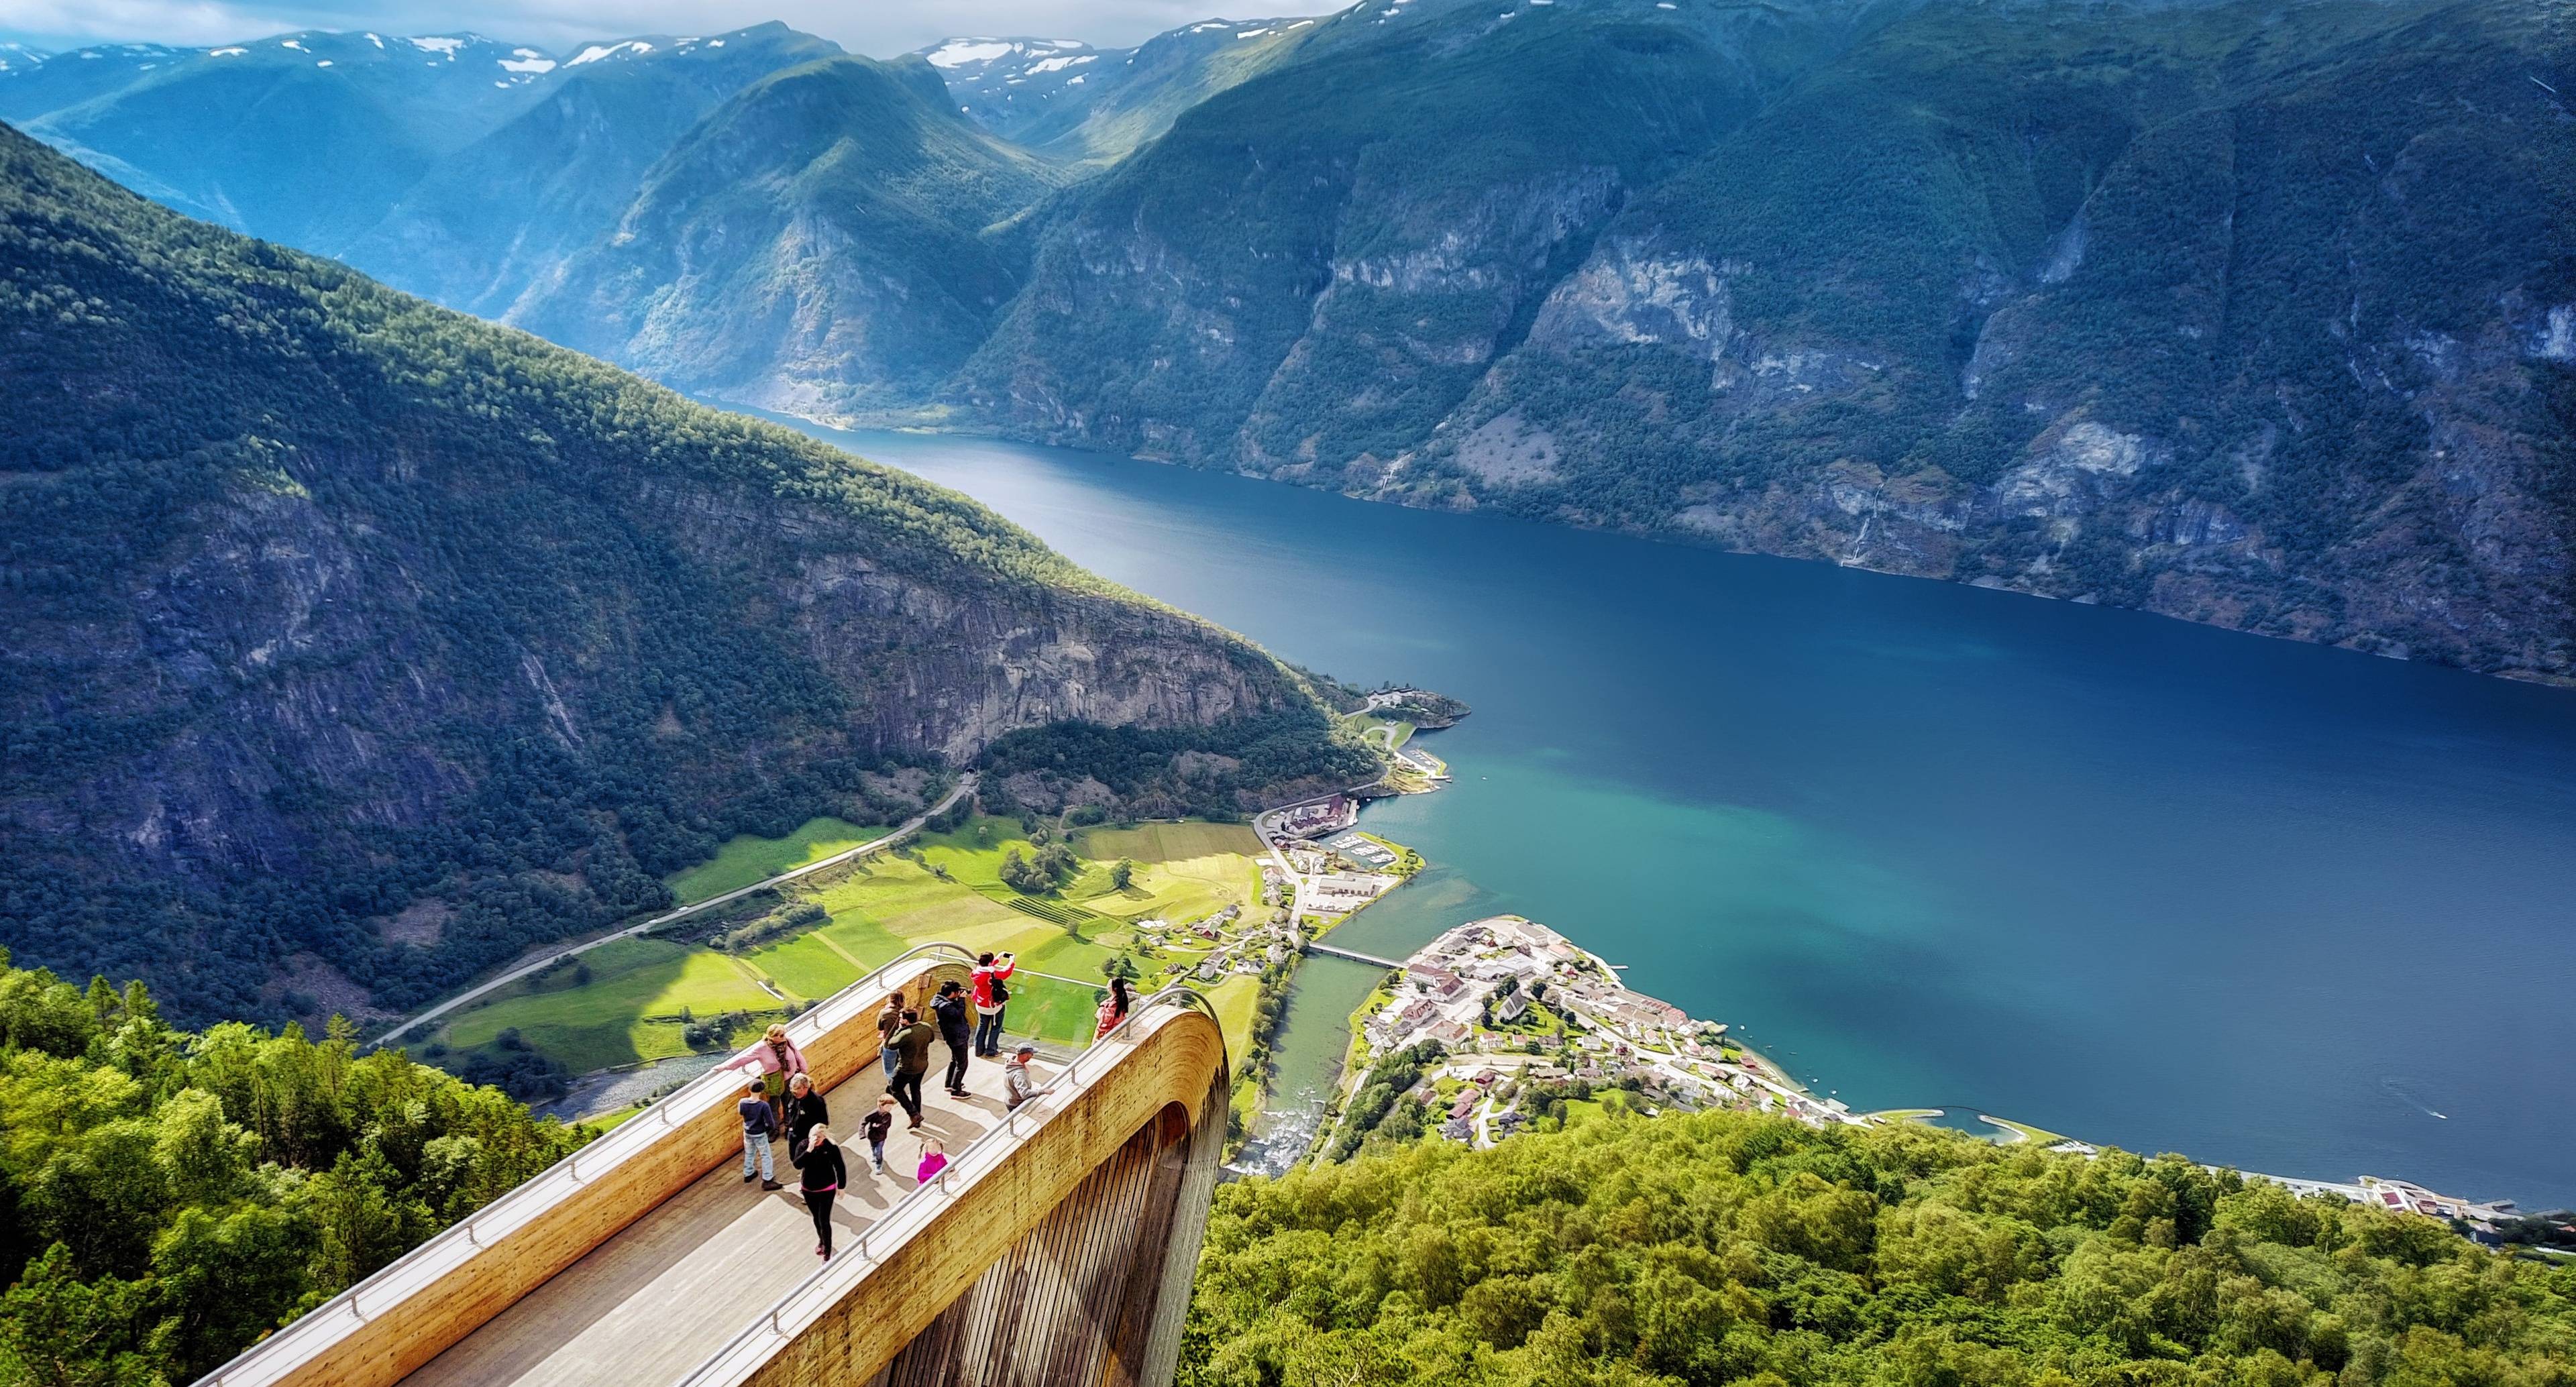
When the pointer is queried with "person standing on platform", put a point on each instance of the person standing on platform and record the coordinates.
(890, 1021)
(876, 1127)
(992, 993)
(1019, 1084)
(805, 1112)
(778, 1060)
(934, 1159)
(823, 1174)
(759, 1124)
(1113, 1008)
(957, 1027)
(912, 1046)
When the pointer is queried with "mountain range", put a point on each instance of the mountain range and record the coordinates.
(354, 645)
(2252, 313)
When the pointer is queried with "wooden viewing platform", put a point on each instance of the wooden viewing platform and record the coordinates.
(1056, 1248)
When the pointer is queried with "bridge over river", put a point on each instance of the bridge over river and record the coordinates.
(1353, 955)
(1056, 1247)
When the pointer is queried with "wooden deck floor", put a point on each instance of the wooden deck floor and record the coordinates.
(651, 1303)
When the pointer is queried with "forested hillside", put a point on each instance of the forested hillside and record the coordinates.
(1731, 1248)
(168, 1198)
(353, 645)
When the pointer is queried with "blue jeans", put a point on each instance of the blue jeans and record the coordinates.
(988, 1032)
(756, 1143)
(891, 1055)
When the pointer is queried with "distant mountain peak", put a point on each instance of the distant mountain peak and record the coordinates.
(975, 54)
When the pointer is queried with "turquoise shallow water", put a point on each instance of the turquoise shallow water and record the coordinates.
(2138, 881)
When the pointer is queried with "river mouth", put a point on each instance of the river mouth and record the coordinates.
(2132, 880)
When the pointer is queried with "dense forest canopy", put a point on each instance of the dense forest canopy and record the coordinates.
(167, 1198)
(1726, 1247)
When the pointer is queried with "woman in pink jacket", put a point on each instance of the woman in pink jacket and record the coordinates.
(777, 1058)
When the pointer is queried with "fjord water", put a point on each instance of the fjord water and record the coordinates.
(2142, 882)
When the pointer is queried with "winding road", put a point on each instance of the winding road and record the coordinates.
(965, 786)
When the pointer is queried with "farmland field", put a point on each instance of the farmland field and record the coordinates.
(746, 859)
(945, 887)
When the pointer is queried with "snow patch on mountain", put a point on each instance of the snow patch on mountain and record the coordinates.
(599, 51)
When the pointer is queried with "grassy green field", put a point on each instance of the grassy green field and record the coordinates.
(746, 859)
(628, 1011)
(1184, 871)
(1386, 734)
(880, 907)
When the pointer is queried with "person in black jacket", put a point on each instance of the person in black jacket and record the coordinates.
(957, 1027)
(805, 1112)
(824, 1174)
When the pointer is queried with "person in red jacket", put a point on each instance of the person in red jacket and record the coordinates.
(992, 993)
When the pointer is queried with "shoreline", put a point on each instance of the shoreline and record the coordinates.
(2543, 678)
(1359, 1057)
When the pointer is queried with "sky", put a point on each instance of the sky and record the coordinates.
(876, 27)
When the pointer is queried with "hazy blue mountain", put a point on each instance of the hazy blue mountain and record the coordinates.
(826, 240)
(1075, 101)
(18, 56)
(465, 168)
(1011, 84)
(301, 138)
(34, 82)
(502, 215)
(319, 604)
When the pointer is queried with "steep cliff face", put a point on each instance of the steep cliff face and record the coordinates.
(1314, 266)
(2171, 309)
(353, 640)
(2273, 353)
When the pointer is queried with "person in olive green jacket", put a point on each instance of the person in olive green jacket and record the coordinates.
(912, 1050)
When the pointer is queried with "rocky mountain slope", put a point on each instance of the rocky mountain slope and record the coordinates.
(500, 217)
(818, 243)
(354, 642)
(2172, 307)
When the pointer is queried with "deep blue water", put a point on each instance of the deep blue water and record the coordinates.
(2134, 880)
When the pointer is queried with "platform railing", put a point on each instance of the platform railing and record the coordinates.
(921, 1205)
(427, 1264)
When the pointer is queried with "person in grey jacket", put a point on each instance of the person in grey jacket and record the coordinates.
(1019, 1085)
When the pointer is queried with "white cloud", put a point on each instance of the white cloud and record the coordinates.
(879, 27)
